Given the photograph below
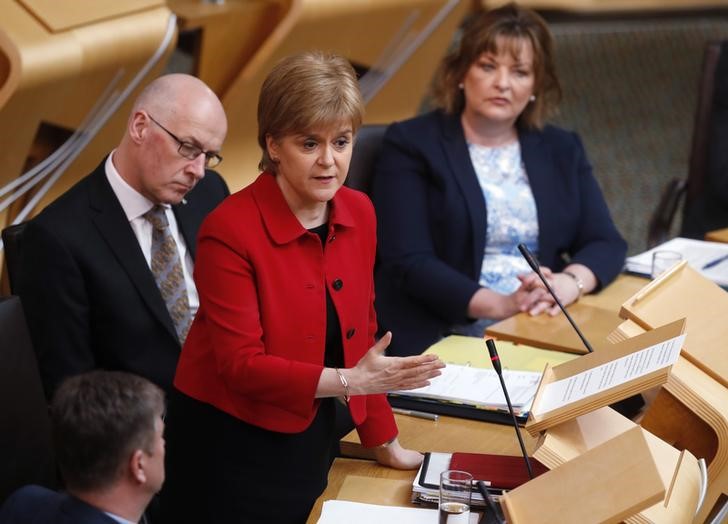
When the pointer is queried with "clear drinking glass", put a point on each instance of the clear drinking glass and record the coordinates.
(456, 489)
(664, 260)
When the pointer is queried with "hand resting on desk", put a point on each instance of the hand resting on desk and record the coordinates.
(397, 457)
(569, 285)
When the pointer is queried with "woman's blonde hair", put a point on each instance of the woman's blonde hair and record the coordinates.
(306, 91)
(510, 26)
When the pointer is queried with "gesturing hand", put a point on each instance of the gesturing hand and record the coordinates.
(377, 373)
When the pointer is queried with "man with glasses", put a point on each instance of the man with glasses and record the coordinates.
(107, 275)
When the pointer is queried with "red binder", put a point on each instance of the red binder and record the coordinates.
(502, 471)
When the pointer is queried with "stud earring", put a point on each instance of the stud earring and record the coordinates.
(461, 85)
(532, 98)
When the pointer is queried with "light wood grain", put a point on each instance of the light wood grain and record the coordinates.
(719, 235)
(347, 28)
(607, 484)
(607, 6)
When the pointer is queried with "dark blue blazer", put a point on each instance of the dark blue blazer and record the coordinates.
(432, 222)
(90, 299)
(38, 505)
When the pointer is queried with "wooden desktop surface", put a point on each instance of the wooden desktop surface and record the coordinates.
(596, 315)
(719, 235)
(361, 480)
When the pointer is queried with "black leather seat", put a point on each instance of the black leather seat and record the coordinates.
(363, 160)
(26, 451)
(689, 190)
(12, 239)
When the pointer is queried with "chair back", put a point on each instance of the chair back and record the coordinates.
(12, 240)
(691, 187)
(363, 160)
(26, 451)
(697, 169)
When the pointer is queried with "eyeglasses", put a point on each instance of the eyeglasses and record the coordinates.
(191, 151)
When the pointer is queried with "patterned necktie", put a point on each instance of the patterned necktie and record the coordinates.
(167, 270)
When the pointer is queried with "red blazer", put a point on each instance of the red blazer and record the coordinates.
(256, 346)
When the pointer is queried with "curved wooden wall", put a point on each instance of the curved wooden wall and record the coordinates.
(57, 64)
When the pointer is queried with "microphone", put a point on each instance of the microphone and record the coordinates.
(489, 501)
(629, 406)
(495, 359)
(535, 266)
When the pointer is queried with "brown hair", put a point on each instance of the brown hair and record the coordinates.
(480, 35)
(305, 91)
(99, 419)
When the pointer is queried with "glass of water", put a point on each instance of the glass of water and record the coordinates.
(664, 260)
(456, 488)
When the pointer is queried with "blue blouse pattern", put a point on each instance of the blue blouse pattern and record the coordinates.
(511, 212)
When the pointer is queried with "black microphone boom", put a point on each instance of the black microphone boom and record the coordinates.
(497, 366)
(489, 501)
(535, 266)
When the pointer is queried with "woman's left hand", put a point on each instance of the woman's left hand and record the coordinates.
(565, 287)
(395, 456)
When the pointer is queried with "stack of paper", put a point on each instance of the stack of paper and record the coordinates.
(338, 511)
(708, 258)
(499, 472)
(481, 388)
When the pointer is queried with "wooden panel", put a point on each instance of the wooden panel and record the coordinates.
(683, 293)
(230, 34)
(719, 235)
(596, 324)
(55, 78)
(446, 435)
(606, 484)
(347, 28)
(602, 6)
(60, 16)
(679, 471)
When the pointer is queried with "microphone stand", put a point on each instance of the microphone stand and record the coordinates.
(535, 266)
(495, 359)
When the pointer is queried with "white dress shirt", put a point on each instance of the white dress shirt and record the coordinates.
(135, 205)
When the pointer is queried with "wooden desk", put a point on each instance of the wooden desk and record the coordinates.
(366, 481)
(719, 235)
(596, 315)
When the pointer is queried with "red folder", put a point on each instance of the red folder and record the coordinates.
(502, 471)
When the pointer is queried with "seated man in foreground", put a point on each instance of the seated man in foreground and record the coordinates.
(107, 434)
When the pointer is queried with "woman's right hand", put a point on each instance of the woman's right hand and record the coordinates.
(378, 373)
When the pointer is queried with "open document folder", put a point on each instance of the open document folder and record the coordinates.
(470, 388)
(480, 388)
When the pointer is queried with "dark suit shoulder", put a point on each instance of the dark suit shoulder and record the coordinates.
(31, 504)
(423, 127)
(212, 185)
(66, 208)
(554, 136)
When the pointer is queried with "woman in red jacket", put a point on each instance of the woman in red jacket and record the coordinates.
(286, 320)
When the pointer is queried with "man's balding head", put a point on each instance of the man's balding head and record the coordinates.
(171, 109)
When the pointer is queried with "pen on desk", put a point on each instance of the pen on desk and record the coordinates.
(418, 414)
(715, 262)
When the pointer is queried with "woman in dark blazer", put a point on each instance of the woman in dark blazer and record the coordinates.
(286, 320)
(456, 190)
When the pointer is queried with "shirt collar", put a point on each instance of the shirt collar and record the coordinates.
(132, 202)
(119, 519)
(278, 218)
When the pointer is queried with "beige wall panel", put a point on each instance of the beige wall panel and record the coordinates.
(57, 78)
(359, 30)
